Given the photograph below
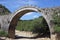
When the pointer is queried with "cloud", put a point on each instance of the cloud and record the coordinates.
(27, 2)
(35, 16)
(29, 13)
(12, 5)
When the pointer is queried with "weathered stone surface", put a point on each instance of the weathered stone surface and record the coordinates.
(9, 22)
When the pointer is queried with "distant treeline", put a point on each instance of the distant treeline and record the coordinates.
(30, 25)
(38, 25)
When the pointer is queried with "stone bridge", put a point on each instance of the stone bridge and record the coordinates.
(8, 22)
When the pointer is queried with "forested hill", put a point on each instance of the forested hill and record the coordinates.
(29, 25)
(4, 10)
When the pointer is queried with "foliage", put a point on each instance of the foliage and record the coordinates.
(41, 27)
(4, 10)
(37, 25)
(3, 33)
(56, 21)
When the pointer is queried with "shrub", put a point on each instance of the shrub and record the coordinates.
(3, 33)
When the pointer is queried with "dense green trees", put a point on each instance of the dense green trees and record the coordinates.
(38, 25)
(33, 25)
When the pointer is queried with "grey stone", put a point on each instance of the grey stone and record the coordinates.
(8, 22)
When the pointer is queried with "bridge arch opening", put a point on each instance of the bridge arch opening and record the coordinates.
(19, 14)
(37, 25)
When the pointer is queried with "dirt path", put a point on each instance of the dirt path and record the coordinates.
(25, 36)
(28, 36)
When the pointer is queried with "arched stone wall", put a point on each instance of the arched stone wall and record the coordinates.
(19, 13)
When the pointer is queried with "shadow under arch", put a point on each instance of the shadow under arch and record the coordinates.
(18, 14)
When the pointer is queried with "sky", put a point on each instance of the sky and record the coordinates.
(14, 5)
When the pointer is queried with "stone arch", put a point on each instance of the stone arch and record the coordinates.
(21, 12)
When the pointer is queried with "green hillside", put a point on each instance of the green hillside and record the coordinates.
(37, 25)
(4, 10)
(31, 25)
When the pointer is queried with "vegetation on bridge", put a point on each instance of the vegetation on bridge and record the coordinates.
(3, 11)
(56, 20)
